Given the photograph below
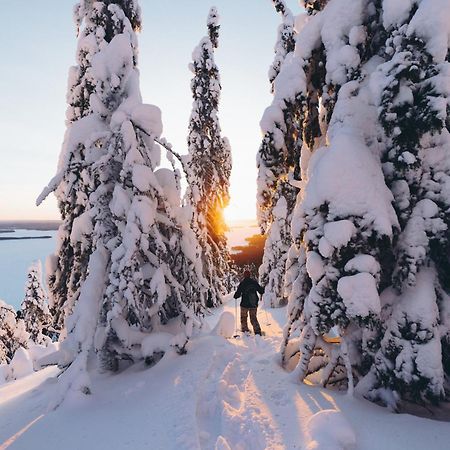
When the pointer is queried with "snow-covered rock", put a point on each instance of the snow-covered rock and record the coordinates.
(329, 430)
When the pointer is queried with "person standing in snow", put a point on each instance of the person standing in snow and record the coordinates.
(248, 289)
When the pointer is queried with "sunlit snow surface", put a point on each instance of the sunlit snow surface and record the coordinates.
(224, 394)
(16, 257)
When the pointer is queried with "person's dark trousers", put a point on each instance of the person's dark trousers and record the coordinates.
(253, 320)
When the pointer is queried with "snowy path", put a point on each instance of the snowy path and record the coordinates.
(224, 394)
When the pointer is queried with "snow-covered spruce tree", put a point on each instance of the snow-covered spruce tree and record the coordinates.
(8, 344)
(274, 152)
(67, 267)
(278, 166)
(83, 182)
(343, 222)
(156, 271)
(414, 111)
(12, 333)
(143, 269)
(276, 248)
(285, 40)
(209, 163)
(375, 244)
(34, 308)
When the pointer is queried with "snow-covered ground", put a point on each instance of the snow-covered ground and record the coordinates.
(224, 394)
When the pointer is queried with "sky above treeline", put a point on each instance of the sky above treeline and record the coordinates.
(38, 45)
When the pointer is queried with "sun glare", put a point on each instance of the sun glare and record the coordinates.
(240, 211)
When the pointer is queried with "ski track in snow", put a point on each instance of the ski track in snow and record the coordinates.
(224, 394)
(231, 410)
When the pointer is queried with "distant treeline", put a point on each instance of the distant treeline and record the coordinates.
(250, 254)
(41, 225)
(10, 238)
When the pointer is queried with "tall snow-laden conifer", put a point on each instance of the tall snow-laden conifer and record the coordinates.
(339, 238)
(209, 163)
(67, 267)
(143, 265)
(414, 98)
(371, 223)
(285, 40)
(278, 164)
(278, 125)
(34, 308)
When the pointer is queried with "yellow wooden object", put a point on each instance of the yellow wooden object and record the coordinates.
(331, 340)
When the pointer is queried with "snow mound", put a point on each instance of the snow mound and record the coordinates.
(5, 373)
(225, 325)
(330, 430)
(156, 342)
(37, 352)
(21, 364)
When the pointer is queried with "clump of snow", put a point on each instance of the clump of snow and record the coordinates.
(225, 326)
(339, 233)
(360, 295)
(363, 263)
(21, 364)
(121, 202)
(350, 161)
(148, 118)
(82, 226)
(395, 12)
(329, 430)
(167, 181)
(143, 177)
(426, 208)
(325, 248)
(431, 22)
(314, 266)
(357, 36)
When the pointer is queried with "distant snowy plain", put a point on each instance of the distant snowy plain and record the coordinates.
(16, 257)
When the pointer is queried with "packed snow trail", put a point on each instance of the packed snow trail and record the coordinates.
(224, 394)
(232, 405)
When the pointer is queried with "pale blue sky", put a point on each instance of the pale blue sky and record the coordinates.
(37, 44)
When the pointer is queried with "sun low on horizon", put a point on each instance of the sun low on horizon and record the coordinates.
(31, 164)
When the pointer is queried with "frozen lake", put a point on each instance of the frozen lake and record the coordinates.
(15, 259)
(17, 255)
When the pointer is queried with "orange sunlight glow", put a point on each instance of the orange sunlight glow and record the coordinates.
(237, 212)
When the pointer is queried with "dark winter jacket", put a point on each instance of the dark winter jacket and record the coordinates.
(248, 289)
